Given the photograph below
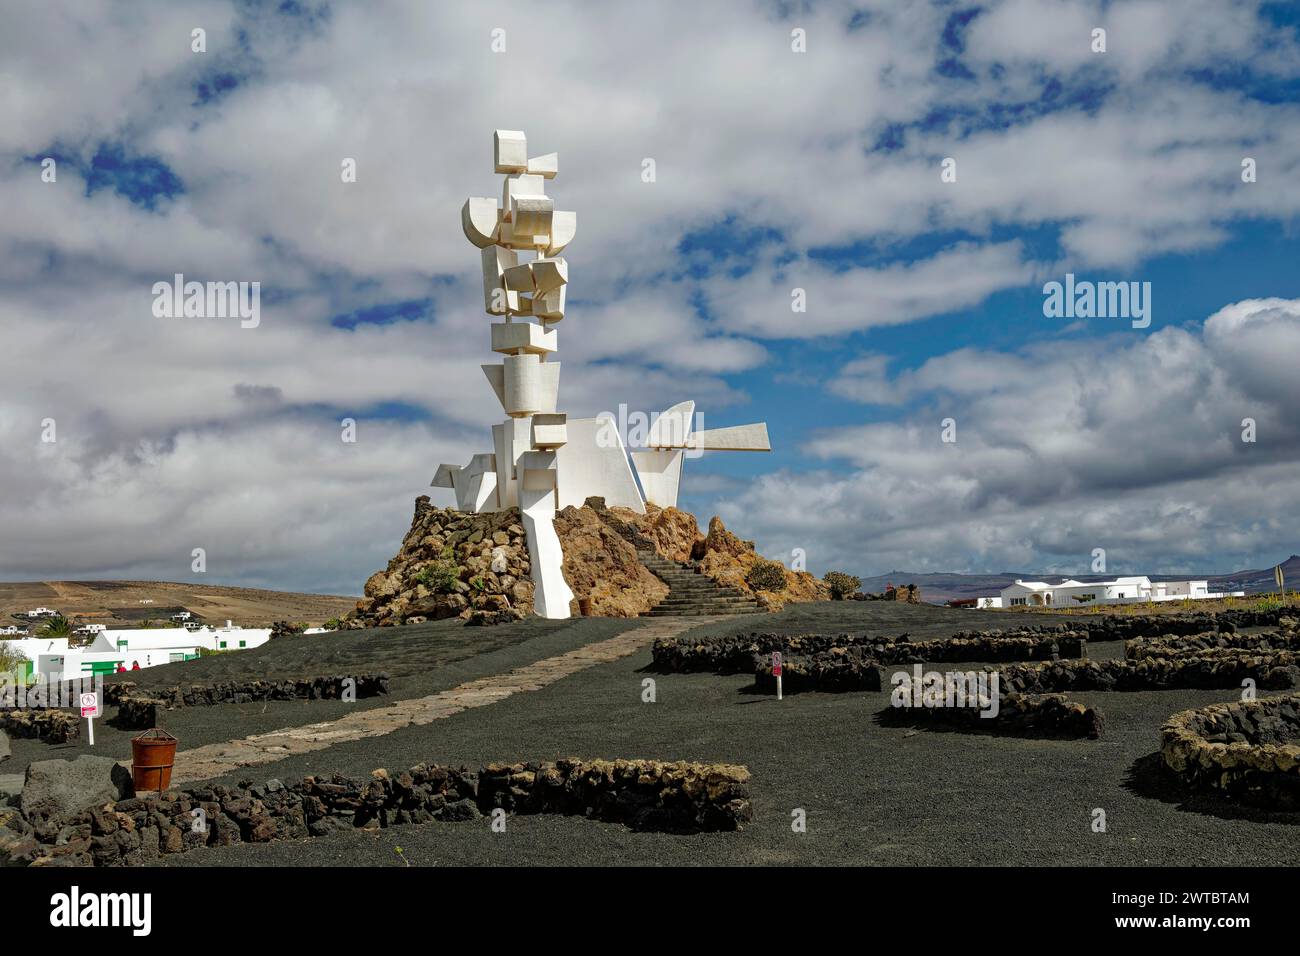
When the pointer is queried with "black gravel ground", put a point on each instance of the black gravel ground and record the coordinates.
(873, 794)
(877, 619)
(420, 659)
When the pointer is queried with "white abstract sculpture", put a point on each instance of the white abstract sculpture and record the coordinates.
(542, 460)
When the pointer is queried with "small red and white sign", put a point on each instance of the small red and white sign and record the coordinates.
(89, 705)
(776, 663)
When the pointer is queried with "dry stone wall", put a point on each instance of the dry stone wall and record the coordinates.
(137, 708)
(1248, 751)
(642, 794)
(52, 726)
(1275, 670)
(1023, 715)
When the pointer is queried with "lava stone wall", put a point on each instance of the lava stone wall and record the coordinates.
(1247, 751)
(52, 726)
(140, 709)
(1199, 644)
(1276, 670)
(642, 794)
(1023, 715)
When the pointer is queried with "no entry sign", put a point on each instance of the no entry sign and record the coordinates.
(776, 663)
(89, 705)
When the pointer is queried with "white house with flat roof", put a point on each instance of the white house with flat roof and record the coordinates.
(1126, 590)
(126, 648)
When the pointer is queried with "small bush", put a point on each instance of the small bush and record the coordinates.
(441, 574)
(841, 584)
(766, 576)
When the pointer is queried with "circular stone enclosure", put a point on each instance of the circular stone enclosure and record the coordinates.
(1247, 751)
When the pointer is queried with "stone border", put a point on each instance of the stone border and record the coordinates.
(1225, 748)
(52, 726)
(737, 653)
(1021, 715)
(645, 795)
(140, 709)
(1275, 671)
(1209, 643)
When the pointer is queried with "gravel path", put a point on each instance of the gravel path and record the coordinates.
(215, 760)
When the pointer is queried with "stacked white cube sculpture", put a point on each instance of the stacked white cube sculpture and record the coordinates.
(542, 460)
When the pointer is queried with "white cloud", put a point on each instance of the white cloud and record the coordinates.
(1133, 444)
(160, 420)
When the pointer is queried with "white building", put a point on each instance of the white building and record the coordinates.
(43, 612)
(126, 648)
(1126, 590)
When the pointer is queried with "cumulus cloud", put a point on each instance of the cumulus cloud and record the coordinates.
(172, 432)
(1132, 443)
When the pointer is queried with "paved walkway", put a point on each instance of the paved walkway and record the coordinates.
(215, 760)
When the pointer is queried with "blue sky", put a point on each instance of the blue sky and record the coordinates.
(775, 169)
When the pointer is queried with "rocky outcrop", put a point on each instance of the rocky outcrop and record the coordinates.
(54, 789)
(641, 794)
(449, 565)
(728, 560)
(601, 565)
(1247, 751)
(476, 567)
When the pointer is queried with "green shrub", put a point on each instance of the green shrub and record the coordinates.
(841, 584)
(766, 576)
(441, 574)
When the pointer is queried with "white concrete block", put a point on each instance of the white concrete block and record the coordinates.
(478, 218)
(661, 474)
(549, 274)
(444, 477)
(547, 166)
(537, 502)
(511, 439)
(531, 215)
(509, 151)
(530, 386)
(476, 491)
(510, 337)
(549, 431)
(520, 278)
(519, 186)
(594, 462)
(496, 376)
(672, 427)
(736, 438)
(497, 300)
(506, 236)
(550, 305)
(564, 226)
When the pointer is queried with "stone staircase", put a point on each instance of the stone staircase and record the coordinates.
(690, 593)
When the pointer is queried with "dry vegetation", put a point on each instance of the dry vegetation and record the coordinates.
(112, 602)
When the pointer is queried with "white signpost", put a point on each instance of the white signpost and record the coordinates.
(90, 710)
(776, 672)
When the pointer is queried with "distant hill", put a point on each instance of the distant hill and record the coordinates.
(134, 602)
(938, 588)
